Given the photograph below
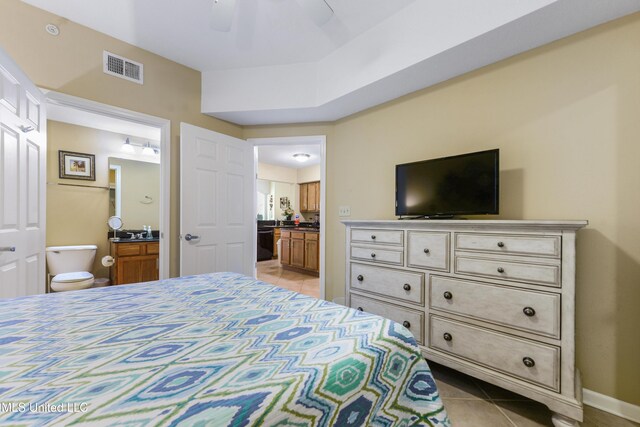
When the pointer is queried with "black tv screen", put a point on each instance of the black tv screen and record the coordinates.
(458, 185)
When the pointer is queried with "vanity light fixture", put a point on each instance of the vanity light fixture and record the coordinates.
(301, 157)
(127, 147)
(148, 150)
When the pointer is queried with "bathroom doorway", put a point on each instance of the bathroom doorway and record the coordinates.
(129, 155)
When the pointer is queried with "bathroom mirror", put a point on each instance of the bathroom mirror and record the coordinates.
(134, 192)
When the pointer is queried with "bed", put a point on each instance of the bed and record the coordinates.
(218, 349)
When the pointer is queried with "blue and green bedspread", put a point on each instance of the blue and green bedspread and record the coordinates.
(218, 349)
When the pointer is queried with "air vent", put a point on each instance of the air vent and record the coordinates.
(124, 68)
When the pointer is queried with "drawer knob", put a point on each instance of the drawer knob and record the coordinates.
(426, 251)
(360, 277)
(529, 362)
(406, 287)
(447, 336)
(359, 309)
(448, 295)
(406, 324)
(501, 244)
(373, 255)
(500, 270)
(373, 237)
(529, 311)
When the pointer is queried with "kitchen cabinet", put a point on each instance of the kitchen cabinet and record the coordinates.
(310, 197)
(134, 262)
(276, 237)
(300, 250)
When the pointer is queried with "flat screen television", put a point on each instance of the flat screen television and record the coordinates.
(467, 184)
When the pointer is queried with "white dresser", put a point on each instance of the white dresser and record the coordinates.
(493, 299)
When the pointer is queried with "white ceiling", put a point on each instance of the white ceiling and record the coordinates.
(283, 155)
(276, 65)
(263, 32)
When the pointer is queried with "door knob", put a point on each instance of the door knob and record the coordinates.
(8, 249)
(189, 237)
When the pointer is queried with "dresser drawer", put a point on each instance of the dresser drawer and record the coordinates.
(537, 312)
(386, 256)
(541, 274)
(509, 244)
(429, 250)
(153, 248)
(384, 237)
(388, 282)
(498, 351)
(412, 320)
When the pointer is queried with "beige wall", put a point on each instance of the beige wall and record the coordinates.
(72, 63)
(276, 173)
(138, 180)
(309, 174)
(566, 118)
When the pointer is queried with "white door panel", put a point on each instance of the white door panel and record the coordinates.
(22, 183)
(216, 180)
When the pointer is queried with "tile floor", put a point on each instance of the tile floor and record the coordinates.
(471, 402)
(272, 272)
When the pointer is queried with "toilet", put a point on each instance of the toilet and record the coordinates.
(70, 266)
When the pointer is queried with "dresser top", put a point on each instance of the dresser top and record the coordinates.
(478, 224)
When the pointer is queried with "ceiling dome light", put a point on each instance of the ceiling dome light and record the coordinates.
(147, 150)
(301, 157)
(127, 147)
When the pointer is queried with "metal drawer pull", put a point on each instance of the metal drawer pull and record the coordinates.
(529, 362)
(500, 244)
(529, 311)
(360, 277)
(8, 249)
(448, 295)
(373, 255)
(406, 287)
(373, 237)
(359, 309)
(406, 324)
(426, 251)
(447, 336)
(500, 270)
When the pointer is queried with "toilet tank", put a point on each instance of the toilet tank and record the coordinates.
(67, 259)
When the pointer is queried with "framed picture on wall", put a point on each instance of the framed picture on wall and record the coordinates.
(77, 165)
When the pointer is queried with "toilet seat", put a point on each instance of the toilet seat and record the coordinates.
(71, 281)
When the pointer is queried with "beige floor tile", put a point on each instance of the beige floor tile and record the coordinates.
(455, 385)
(498, 393)
(526, 413)
(474, 413)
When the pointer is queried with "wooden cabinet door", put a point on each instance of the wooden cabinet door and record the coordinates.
(285, 247)
(148, 268)
(317, 201)
(276, 237)
(311, 255)
(312, 191)
(129, 270)
(304, 201)
(297, 253)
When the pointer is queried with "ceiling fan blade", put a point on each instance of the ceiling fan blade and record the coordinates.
(222, 14)
(318, 10)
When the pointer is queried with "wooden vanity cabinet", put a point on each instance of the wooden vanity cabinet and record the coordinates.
(135, 262)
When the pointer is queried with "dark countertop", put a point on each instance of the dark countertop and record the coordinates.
(123, 240)
(301, 229)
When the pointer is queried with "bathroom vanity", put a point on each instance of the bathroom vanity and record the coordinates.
(135, 261)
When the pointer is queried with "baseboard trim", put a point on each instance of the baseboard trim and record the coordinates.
(611, 405)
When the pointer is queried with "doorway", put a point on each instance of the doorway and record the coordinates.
(289, 206)
(132, 158)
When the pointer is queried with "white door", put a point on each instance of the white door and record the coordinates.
(23, 149)
(216, 208)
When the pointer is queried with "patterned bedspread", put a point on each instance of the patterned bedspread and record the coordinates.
(219, 349)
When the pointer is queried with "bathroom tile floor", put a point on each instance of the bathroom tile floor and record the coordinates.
(475, 403)
(271, 272)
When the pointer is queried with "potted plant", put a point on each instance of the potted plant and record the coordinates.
(288, 213)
